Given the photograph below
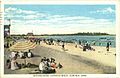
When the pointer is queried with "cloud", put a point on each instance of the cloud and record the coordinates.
(104, 11)
(18, 10)
(17, 13)
(56, 25)
(24, 21)
(30, 17)
(25, 11)
(10, 9)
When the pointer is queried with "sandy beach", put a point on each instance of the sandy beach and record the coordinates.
(74, 60)
(100, 54)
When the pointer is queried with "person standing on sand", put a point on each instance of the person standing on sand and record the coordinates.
(108, 45)
(39, 41)
(63, 45)
(84, 47)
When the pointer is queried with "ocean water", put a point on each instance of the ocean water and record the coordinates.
(99, 40)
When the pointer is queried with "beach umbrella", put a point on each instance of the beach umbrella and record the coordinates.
(22, 46)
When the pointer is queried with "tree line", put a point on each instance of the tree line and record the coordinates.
(81, 33)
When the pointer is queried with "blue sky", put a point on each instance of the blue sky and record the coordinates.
(60, 19)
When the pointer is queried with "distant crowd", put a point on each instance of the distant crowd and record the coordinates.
(83, 44)
(12, 64)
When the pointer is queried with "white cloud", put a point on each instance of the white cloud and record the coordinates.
(19, 11)
(109, 9)
(11, 13)
(53, 24)
(25, 11)
(30, 17)
(104, 11)
(35, 16)
(10, 9)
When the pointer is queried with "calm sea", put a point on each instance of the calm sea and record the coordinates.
(99, 40)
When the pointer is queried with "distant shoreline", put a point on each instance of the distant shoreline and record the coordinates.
(64, 35)
(60, 35)
(73, 34)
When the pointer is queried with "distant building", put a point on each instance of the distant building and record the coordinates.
(7, 29)
(30, 34)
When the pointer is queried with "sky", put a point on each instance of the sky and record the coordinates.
(60, 19)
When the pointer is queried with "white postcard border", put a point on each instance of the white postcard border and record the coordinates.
(117, 3)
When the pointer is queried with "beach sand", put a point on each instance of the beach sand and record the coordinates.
(74, 60)
(100, 54)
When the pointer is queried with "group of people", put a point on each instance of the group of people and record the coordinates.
(49, 41)
(55, 42)
(12, 63)
(82, 44)
(48, 65)
(37, 41)
(87, 47)
(21, 54)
